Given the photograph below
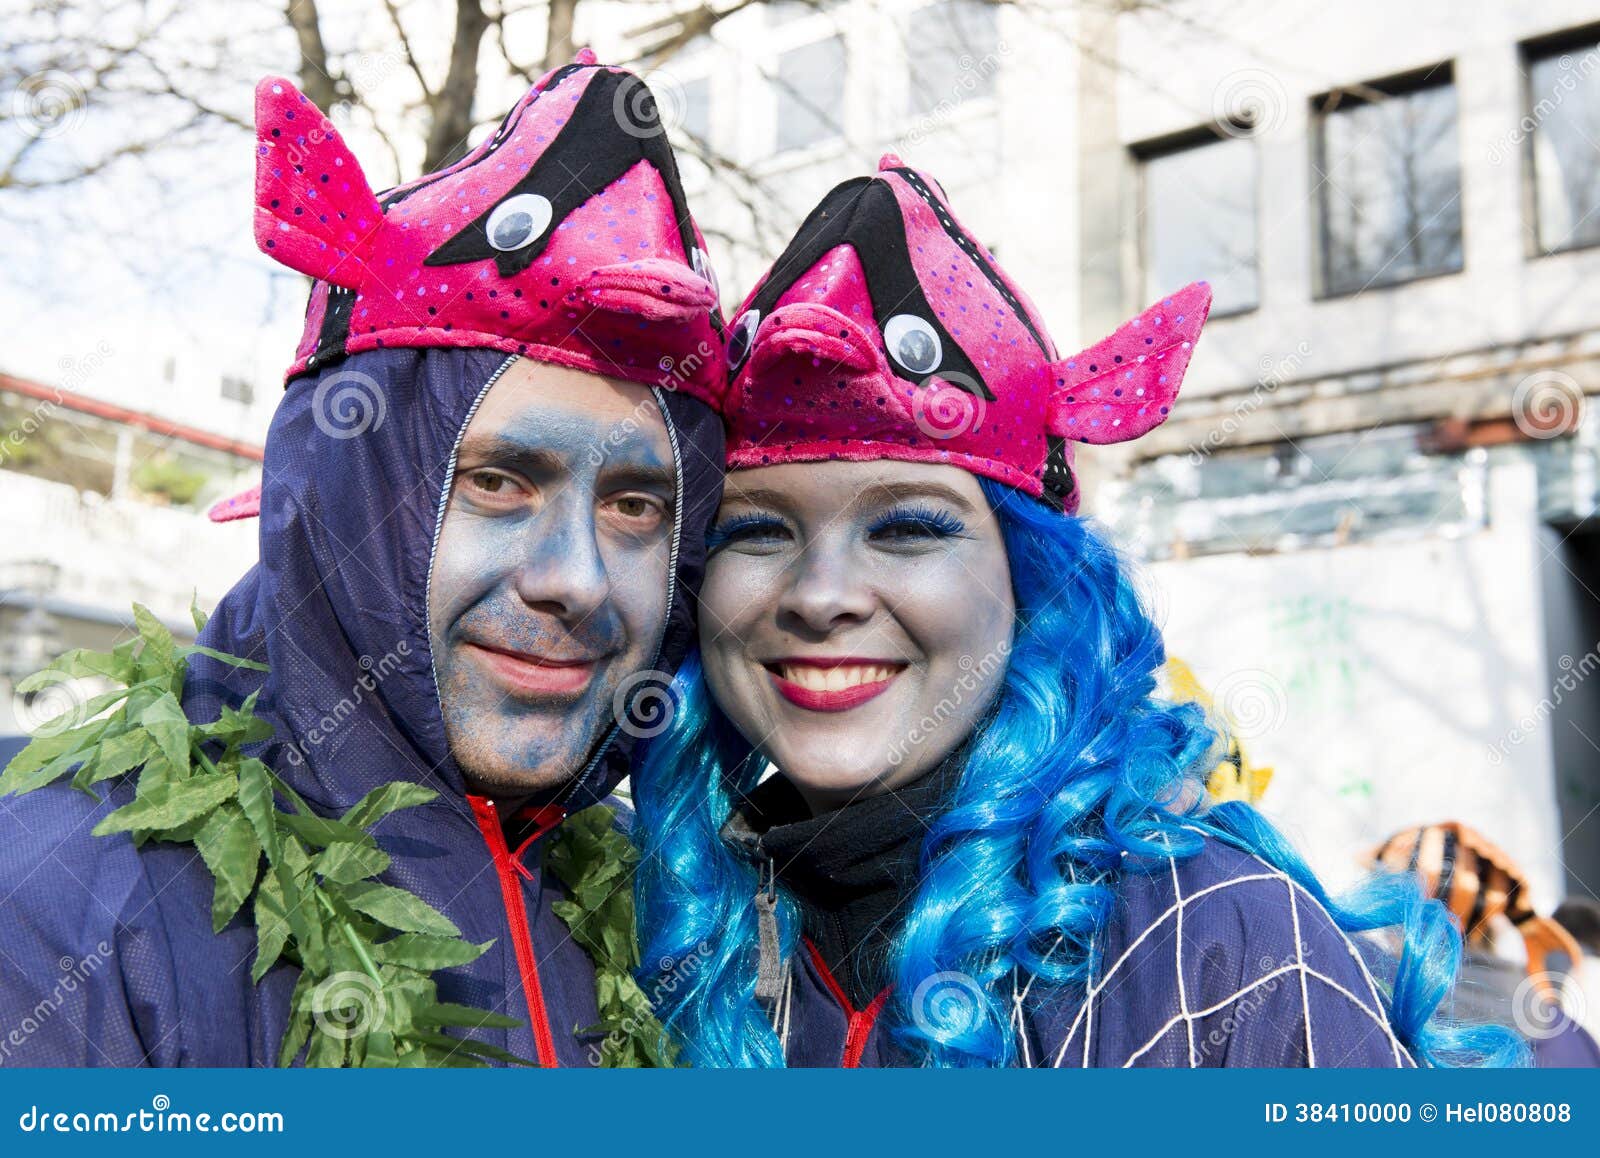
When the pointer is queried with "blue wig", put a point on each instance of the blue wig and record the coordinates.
(1076, 765)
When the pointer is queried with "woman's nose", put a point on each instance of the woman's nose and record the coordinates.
(827, 588)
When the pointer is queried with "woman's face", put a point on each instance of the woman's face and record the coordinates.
(855, 619)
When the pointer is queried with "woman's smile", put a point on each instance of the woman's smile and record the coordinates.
(824, 684)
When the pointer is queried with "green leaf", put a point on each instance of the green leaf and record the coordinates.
(233, 854)
(466, 1045)
(120, 753)
(272, 925)
(158, 659)
(443, 1013)
(255, 800)
(152, 630)
(349, 863)
(169, 728)
(19, 784)
(50, 757)
(306, 919)
(237, 726)
(223, 657)
(426, 953)
(397, 908)
(318, 830)
(326, 1050)
(300, 1021)
(380, 1052)
(384, 799)
(170, 805)
(82, 663)
(195, 613)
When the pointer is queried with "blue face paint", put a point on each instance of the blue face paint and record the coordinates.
(858, 619)
(550, 583)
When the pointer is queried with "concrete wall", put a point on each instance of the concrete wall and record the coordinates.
(1385, 683)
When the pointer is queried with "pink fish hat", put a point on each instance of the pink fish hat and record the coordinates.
(563, 237)
(886, 331)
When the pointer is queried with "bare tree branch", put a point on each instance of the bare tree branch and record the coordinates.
(405, 48)
(316, 78)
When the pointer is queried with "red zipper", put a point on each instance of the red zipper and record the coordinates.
(859, 1022)
(507, 867)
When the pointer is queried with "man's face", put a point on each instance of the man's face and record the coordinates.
(549, 585)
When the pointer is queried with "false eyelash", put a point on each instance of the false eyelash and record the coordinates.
(940, 523)
(724, 533)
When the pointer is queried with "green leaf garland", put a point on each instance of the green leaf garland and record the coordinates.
(366, 950)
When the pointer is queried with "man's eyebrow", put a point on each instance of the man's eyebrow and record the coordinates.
(500, 450)
(638, 474)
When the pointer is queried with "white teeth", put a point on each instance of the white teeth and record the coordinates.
(836, 679)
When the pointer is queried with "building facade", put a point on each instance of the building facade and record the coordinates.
(1368, 523)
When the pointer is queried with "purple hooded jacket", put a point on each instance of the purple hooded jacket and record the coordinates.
(107, 957)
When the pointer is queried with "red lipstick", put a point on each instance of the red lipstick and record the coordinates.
(864, 679)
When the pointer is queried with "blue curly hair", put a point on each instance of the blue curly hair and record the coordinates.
(1076, 764)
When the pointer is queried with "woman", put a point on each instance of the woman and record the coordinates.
(986, 841)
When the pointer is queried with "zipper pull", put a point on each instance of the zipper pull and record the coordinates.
(769, 969)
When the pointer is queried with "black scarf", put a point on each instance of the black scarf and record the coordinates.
(852, 871)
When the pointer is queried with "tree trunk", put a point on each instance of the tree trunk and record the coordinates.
(315, 80)
(452, 104)
(558, 46)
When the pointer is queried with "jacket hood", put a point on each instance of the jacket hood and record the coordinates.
(355, 477)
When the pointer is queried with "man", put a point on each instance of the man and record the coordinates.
(482, 515)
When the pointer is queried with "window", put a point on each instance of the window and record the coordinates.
(1199, 220)
(236, 389)
(1388, 182)
(952, 54)
(1562, 126)
(810, 93)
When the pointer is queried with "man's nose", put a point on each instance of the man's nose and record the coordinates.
(563, 572)
(826, 589)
